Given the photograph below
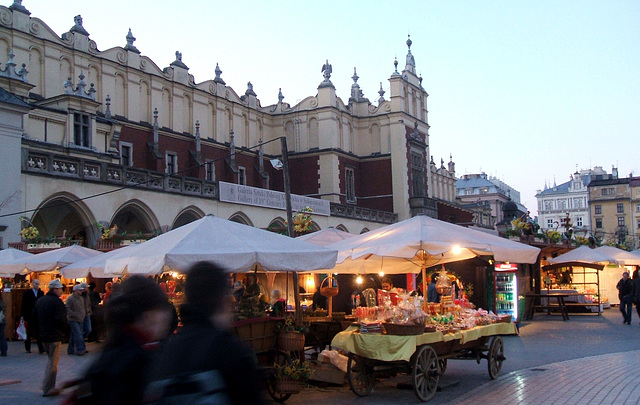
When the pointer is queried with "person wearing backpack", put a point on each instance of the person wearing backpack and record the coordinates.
(202, 362)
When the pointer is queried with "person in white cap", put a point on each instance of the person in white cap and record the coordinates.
(50, 315)
(76, 312)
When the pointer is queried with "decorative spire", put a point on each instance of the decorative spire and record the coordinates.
(130, 40)
(261, 154)
(356, 93)
(156, 127)
(11, 72)
(381, 92)
(250, 91)
(395, 64)
(232, 149)
(198, 145)
(218, 79)
(107, 113)
(411, 62)
(79, 89)
(280, 97)
(77, 27)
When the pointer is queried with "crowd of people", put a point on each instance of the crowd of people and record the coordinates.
(629, 294)
(145, 357)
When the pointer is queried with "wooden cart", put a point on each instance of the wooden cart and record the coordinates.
(424, 356)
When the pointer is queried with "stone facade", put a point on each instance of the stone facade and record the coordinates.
(112, 138)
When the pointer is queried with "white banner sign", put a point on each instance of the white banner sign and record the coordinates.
(235, 193)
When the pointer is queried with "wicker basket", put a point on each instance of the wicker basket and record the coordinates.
(291, 341)
(288, 386)
(403, 330)
(327, 288)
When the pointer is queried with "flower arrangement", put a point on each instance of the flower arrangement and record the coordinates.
(302, 220)
(296, 370)
(553, 236)
(107, 233)
(581, 241)
(30, 234)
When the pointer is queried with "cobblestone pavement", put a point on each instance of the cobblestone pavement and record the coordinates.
(586, 360)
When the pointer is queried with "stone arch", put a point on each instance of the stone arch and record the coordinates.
(278, 225)
(314, 134)
(36, 69)
(119, 98)
(342, 228)
(94, 76)
(375, 144)
(289, 133)
(65, 214)
(187, 215)
(5, 47)
(187, 114)
(314, 227)
(145, 104)
(241, 218)
(165, 108)
(134, 216)
(226, 135)
(66, 71)
(211, 123)
(364, 230)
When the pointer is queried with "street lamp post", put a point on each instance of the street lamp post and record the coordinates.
(287, 197)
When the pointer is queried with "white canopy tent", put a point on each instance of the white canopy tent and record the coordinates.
(325, 236)
(234, 246)
(11, 255)
(48, 261)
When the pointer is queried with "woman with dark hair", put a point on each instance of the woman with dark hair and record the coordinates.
(138, 316)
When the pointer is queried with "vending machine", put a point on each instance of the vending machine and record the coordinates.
(506, 289)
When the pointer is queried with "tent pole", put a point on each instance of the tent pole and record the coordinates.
(424, 286)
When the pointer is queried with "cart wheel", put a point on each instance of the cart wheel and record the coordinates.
(495, 357)
(360, 375)
(442, 366)
(426, 373)
(280, 358)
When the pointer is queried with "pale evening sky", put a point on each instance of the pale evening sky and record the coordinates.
(524, 91)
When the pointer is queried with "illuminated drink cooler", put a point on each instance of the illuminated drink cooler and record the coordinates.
(506, 290)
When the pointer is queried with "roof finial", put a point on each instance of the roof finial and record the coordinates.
(130, 40)
(280, 96)
(107, 113)
(381, 92)
(218, 72)
(395, 64)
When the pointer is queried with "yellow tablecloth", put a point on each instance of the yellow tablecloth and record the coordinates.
(393, 347)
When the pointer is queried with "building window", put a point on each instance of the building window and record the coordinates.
(550, 223)
(417, 174)
(579, 221)
(599, 223)
(172, 163)
(210, 170)
(604, 191)
(548, 205)
(562, 204)
(469, 191)
(484, 190)
(637, 207)
(242, 175)
(620, 208)
(126, 154)
(639, 224)
(620, 221)
(598, 209)
(82, 130)
(350, 184)
(577, 203)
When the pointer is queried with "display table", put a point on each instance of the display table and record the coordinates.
(573, 298)
(394, 348)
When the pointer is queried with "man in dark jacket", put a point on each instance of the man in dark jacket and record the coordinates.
(636, 290)
(50, 315)
(203, 363)
(29, 299)
(625, 293)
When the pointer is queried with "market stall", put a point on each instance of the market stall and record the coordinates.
(422, 346)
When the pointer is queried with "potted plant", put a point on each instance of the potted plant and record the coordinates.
(291, 337)
(292, 376)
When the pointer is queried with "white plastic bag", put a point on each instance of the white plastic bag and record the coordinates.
(21, 330)
(336, 359)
